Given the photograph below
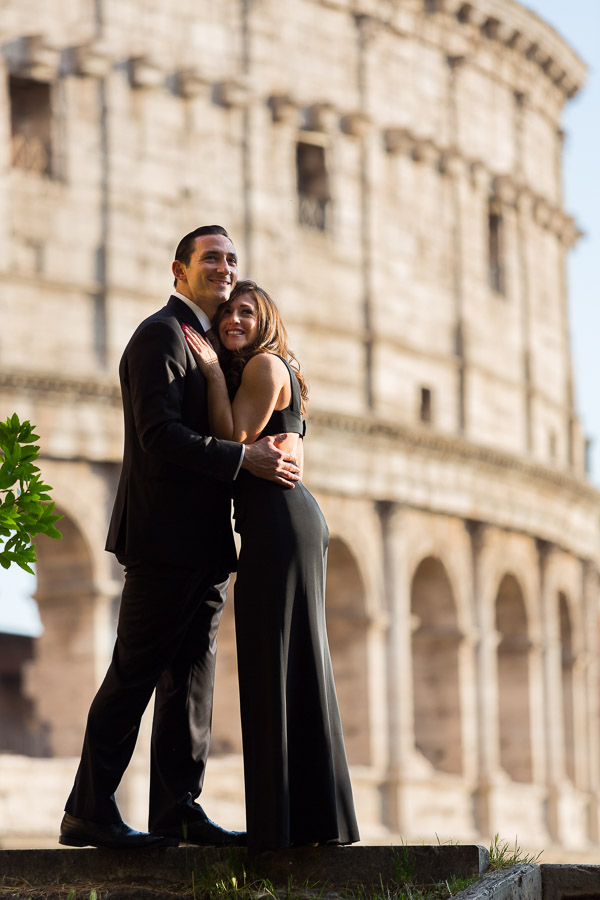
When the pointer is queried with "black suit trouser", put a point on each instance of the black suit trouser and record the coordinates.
(166, 639)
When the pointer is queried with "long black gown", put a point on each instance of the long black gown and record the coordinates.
(296, 775)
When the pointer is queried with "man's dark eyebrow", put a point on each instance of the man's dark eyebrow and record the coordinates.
(209, 252)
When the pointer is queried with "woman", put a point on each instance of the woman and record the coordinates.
(296, 775)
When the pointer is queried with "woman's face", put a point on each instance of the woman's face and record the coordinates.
(239, 326)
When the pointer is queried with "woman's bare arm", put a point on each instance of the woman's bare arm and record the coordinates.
(265, 386)
(257, 458)
(220, 414)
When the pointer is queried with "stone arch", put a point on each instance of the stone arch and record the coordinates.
(347, 632)
(567, 680)
(435, 660)
(62, 677)
(514, 710)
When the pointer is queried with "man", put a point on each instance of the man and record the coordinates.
(171, 529)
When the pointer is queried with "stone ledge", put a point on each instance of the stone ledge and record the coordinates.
(567, 882)
(100, 389)
(337, 866)
(449, 445)
(517, 883)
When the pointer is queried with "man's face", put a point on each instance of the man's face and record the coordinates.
(211, 273)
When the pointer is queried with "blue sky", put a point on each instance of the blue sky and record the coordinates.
(578, 21)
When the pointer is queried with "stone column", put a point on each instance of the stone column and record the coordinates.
(398, 664)
(455, 65)
(366, 32)
(486, 644)
(469, 700)
(539, 755)
(589, 676)
(552, 695)
(523, 217)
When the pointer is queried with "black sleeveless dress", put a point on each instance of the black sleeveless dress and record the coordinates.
(296, 776)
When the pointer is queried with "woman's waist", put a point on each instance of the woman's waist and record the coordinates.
(258, 494)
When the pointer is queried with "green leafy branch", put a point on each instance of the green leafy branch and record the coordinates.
(25, 506)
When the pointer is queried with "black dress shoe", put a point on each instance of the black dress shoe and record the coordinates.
(206, 834)
(81, 833)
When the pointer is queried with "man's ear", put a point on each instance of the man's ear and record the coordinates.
(178, 270)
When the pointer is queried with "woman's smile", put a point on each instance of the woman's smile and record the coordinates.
(238, 326)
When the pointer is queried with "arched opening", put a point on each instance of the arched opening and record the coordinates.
(435, 649)
(61, 678)
(21, 731)
(513, 680)
(347, 632)
(567, 665)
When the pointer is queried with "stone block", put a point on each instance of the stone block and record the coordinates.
(567, 882)
(517, 883)
(330, 865)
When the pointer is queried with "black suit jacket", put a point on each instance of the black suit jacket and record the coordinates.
(173, 501)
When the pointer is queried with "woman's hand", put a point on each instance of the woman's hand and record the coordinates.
(219, 405)
(204, 352)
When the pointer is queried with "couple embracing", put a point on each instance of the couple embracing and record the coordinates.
(199, 428)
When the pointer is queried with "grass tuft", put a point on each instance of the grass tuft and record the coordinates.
(503, 855)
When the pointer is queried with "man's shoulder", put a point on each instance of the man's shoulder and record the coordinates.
(167, 315)
(162, 327)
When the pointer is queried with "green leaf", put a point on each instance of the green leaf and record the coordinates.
(9, 455)
(30, 453)
(9, 516)
(29, 501)
(16, 543)
(26, 435)
(27, 510)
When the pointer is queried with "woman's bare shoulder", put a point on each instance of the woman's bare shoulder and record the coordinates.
(266, 365)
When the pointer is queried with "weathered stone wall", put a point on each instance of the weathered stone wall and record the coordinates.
(421, 273)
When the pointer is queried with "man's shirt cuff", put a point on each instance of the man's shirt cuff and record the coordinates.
(237, 471)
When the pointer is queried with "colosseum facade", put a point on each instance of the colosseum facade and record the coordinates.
(391, 171)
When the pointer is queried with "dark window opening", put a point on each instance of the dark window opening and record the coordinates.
(313, 186)
(495, 250)
(425, 411)
(31, 120)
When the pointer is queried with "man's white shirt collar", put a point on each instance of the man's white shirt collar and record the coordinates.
(202, 317)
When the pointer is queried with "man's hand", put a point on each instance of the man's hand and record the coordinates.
(265, 460)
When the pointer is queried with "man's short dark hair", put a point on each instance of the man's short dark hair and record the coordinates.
(186, 245)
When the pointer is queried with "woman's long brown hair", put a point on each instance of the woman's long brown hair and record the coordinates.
(271, 338)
